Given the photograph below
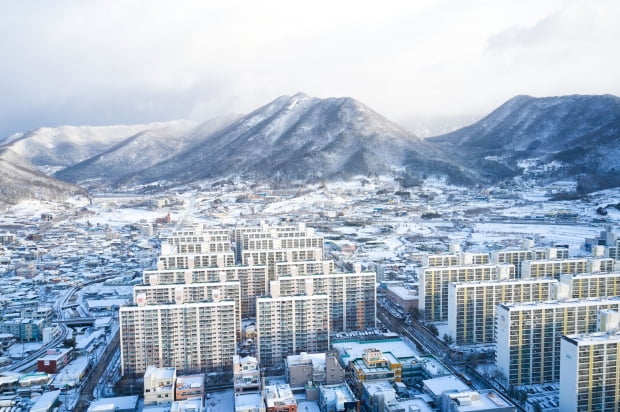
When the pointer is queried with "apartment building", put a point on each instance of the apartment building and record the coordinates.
(516, 257)
(195, 247)
(613, 251)
(441, 260)
(434, 283)
(24, 329)
(456, 259)
(590, 370)
(270, 242)
(352, 296)
(197, 260)
(194, 292)
(287, 325)
(590, 285)
(471, 305)
(192, 337)
(574, 266)
(528, 336)
(252, 281)
(201, 231)
(308, 267)
(242, 234)
(270, 257)
(197, 240)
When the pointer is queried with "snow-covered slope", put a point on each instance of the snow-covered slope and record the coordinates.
(20, 180)
(541, 125)
(300, 138)
(548, 138)
(55, 148)
(141, 151)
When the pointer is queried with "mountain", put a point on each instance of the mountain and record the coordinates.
(141, 151)
(299, 138)
(56, 148)
(303, 138)
(575, 136)
(20, 180)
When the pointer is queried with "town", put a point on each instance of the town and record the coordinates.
(353, 296)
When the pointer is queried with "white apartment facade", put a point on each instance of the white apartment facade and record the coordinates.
(288, 325)
(434, 283)
(471, 305)
(352, 296)
(528, 336)
(192, 337)
(590, 370)
(252, 280)
(574, 266)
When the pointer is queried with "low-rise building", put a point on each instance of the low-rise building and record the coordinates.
(476, 401)
(246, 374)
(437, 387)
(338, 398)
(54, 360)
(318, 368)
(279, 398)
(116, 404)
(159, 385)
(249, 402)
(187, 405)
(189, 386)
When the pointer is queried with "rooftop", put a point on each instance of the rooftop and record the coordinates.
(478, 401)
(279, 395)
(439, 385)
(190, 381)
(120, 402)
(354, 349)
(594, 338)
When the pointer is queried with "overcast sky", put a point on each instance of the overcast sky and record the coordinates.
(111, 62)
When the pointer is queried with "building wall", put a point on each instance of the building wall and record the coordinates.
(434, 283)
(471, 306)
(193, 337)
(291, 324)
(352, 297)
(193, 292)
(252, 280)
(528, 336)
(590, 373)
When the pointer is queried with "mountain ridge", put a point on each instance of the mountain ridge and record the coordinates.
(298, 138)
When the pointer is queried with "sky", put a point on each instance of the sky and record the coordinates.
(119, 62)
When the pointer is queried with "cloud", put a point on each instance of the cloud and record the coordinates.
(102, 62)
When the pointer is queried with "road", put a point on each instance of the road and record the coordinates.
(454, 361)
(96, 373)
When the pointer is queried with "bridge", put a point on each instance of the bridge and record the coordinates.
(86, 321)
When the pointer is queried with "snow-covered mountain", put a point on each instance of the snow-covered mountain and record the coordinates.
(574, 136)
(20, 180)
(141, 151)
(56, 148)
(301, 138)
(538, 125)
